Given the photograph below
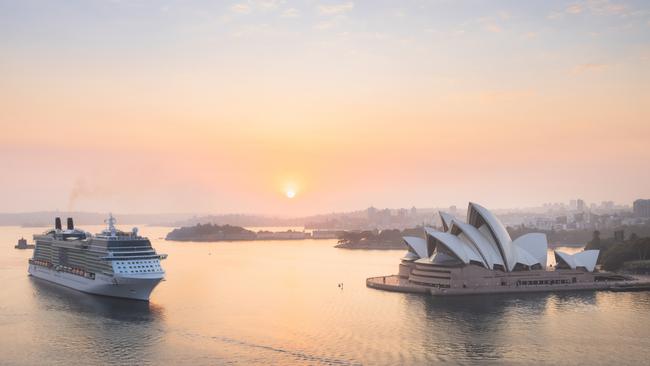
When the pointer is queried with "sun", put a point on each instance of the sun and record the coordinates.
(291, 193)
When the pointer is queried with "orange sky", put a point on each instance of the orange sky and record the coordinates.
(147, 108)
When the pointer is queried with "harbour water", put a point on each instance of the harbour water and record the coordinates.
(279, 302)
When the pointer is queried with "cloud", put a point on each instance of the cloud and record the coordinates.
(500, 96)
(504, 15)
(291, 13)
(335, 9)
(255, 5)
(589, 67)
(268, 4)
(241, 8)
(530, 35)
(494, 28)
(599, 7)
(323, 25)
(574, 9)
(605, 7)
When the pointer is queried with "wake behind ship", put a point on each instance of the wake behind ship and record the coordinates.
(111, 263)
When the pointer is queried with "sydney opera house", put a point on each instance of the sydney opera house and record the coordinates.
(479, 256)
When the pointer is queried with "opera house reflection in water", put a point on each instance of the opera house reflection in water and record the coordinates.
(480, 257)
(517, 327)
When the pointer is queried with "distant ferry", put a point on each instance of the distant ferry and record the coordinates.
(22, 244)
(111, 263)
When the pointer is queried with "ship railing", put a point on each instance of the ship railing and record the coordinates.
(132, 252)
(75, 271)
(135, 257)
(41, 262)
(119, 237)
(127, 248)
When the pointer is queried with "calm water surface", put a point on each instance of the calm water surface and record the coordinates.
(279, 303)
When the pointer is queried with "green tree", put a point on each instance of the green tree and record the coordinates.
(618, 254)
(595, 242)
(642, 248)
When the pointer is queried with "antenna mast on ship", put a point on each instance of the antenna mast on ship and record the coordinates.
(111, 224)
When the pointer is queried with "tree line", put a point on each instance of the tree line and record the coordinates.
(632, 253)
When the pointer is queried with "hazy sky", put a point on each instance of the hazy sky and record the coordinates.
(222, 106)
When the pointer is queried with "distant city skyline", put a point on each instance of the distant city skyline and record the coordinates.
(296, 108)
(570, 205)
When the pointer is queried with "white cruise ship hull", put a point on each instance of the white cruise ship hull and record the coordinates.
(136, 288)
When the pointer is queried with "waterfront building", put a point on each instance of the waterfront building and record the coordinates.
(479, 256)
(641, 208)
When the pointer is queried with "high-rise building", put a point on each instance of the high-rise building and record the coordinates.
(372, 213)
(607, 205)
(453, 210)
(641, 208)
(619, 235)
(580, 205)
(401, 213)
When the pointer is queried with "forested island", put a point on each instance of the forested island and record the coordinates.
(214, 232)
(384, 239)
(210, 232)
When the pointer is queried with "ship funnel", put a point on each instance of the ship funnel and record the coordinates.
(70, 224)
(57, 223)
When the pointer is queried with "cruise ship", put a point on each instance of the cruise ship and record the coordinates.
(111, 263)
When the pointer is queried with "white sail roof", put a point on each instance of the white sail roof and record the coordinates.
(418, 245)
(455, 245)
(488, 251)
(410, 256)
(586, 259)
(446, 220)
(478, 216)
(524, 257)
(535, 244)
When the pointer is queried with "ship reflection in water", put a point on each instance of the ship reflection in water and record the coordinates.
(278, 302)
(118, 331)
(496, 327)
